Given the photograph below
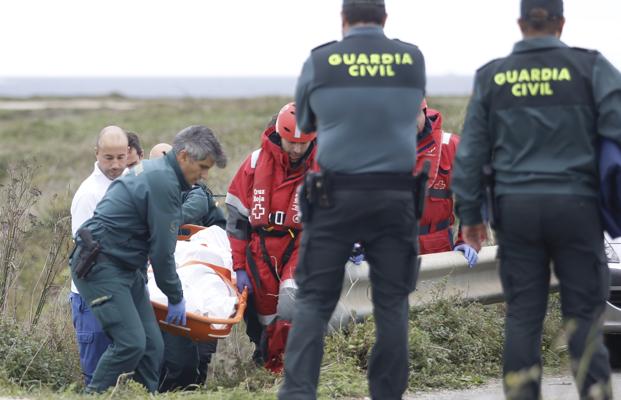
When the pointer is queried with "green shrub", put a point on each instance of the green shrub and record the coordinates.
(40, 357)
(452, 344)
(458, 344)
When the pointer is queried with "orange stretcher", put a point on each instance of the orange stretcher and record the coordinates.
(200, 328)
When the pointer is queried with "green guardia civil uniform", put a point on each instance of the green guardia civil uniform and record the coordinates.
(137, 220)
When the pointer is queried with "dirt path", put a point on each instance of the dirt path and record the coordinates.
(554, 388)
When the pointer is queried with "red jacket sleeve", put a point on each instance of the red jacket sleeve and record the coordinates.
(238, 201)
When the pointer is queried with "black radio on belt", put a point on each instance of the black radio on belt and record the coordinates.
(420, 189)
(318, 189)
(88, 252)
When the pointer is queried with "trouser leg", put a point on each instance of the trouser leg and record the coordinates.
(525, 276)
(253, 326)
(148, 369)
(108, 291)
(319, 276)
(181, 359)
(392, 258)
(254, 329)
(277, 331)
(390, 245)
(581, 267)
(91, 339)
(205, 352)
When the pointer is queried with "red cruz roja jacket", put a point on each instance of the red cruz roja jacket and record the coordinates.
(439, 148)
(264, 219)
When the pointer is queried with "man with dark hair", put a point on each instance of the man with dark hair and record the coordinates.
(536, 117)
(135, 153)
(138, 219)
(361, 95)
(365, 12)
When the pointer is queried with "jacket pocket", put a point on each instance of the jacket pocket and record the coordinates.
(106, 311)
(85, 337)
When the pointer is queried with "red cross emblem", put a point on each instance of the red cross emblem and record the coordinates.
(258, 211)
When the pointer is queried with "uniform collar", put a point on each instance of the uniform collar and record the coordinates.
(538, 43)
(373, 30)
(171, 158)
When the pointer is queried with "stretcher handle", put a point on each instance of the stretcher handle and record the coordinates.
(239, 315)
(188, 230)
(183, 328)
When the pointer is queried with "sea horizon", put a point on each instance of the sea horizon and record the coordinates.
(187, 87)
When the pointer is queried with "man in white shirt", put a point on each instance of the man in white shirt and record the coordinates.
(111, 153)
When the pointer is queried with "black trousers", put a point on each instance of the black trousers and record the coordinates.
(384, 222)
(534, 230)
(185, 363)
(254, 330)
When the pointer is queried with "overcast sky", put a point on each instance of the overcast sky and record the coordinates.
(262, 37)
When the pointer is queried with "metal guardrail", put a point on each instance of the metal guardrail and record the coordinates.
(441, 274)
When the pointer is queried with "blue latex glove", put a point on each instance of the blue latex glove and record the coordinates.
(357, 254)
(176, 313)
(469, 253)
(243, 281)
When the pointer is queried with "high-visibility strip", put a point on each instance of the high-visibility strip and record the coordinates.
(446, 138)
(265, 320)
(234, 201)
(288, 283)
(254, 158)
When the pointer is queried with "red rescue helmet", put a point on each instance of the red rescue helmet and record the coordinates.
(287, 128)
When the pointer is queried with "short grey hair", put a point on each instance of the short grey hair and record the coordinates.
(199, 142)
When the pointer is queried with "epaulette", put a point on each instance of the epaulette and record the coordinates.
(323, 45)
(590, 51)
(490, 62)
(408, 43)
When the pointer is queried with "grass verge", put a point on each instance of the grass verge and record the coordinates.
(453, 344)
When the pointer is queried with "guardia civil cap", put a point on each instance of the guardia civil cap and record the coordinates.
(553, 7)
(363, 3)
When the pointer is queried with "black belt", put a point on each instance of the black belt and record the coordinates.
(379, 181)
(424, 230)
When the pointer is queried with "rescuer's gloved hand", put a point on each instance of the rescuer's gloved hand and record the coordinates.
(469, 253)
(357, 254)
(243, 281)
(176, 313)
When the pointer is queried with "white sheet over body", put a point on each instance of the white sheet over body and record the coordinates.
(204, 291)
